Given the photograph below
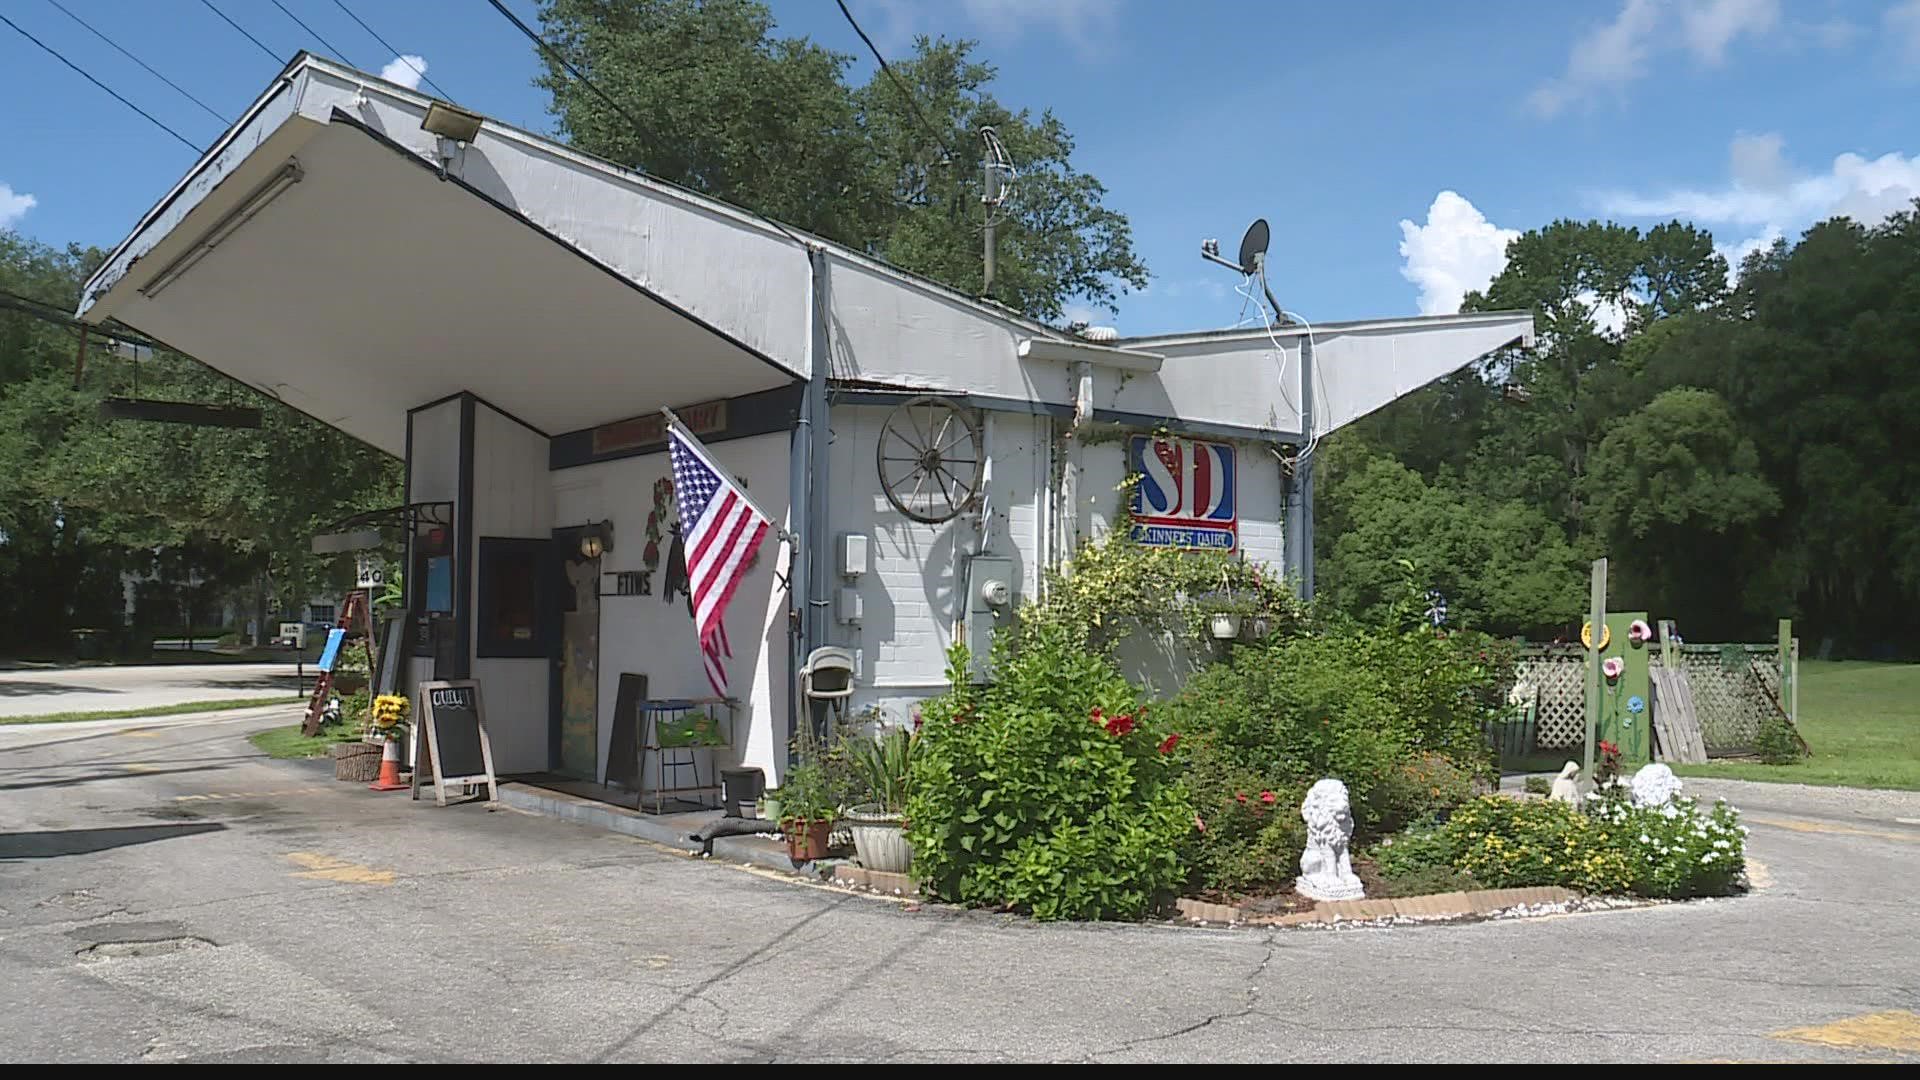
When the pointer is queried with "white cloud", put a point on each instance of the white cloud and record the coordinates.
(406, 69)
(1609, 316)
(1710, 27)
(14, 206)
(1767, 198)
(1457, 251)
(1606, 59)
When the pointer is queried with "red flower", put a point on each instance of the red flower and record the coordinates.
(1167, 744)
(1119, 725)
(1097, 716)
(1240, 796)
(1267, 797)
(1607, 747)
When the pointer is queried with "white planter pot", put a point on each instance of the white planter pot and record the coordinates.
(879, 840)
(1225, 626)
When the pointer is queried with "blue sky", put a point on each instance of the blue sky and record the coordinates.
(1394, 146)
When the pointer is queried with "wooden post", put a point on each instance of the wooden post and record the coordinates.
(1669, 654)
(1793, 696)
(1786, 666)
(1597, 619)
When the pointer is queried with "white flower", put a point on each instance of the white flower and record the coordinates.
(1645, 839)
(1722, 844)
(1744, 831)
(1707, 858)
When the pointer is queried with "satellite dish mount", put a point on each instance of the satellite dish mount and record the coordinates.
(1253, 261)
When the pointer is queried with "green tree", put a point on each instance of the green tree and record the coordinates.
(728, 108)
(84, 499)
(1503, 565)
(1673, 488)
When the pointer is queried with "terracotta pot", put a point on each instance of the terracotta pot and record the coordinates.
(806, 840)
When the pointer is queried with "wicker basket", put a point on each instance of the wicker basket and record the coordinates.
(358, 761)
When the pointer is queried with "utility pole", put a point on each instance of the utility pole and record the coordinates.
(990, 195)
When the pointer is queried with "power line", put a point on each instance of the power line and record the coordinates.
(51, 51)
(897, 80)
(149, 70)
(324, 43)
(638, 128)
(274, 56)
(402, 57)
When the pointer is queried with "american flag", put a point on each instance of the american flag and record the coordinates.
(721, 529)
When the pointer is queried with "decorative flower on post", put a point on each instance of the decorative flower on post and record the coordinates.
(1612, 667)
(1636, 705)
(1639, 633)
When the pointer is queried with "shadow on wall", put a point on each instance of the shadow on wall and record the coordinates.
(53, 844)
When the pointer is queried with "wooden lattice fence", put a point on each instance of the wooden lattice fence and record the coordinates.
(1735, 688)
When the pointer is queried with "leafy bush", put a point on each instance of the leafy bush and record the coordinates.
(1114, 589)
(1428, 785)
(1538, 785)
(1418, 850)
(1426, 882)
(1047, 791)
(1394, 715)
(881, 763)
(1508, 843)
(1776, 743)
(1674, 851)
(1245, 833)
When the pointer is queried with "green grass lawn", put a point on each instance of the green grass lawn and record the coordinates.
(287, 743)
(179, 709)
(1862, 720)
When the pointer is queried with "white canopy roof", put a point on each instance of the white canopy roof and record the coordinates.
(320, 252)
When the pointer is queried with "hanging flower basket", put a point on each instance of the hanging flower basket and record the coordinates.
(1225, 625)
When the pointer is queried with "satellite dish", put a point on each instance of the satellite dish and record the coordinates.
(1254, 245)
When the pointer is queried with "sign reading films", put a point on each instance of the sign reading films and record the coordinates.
(1186, 494)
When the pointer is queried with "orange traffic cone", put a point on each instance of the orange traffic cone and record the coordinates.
(389, 769)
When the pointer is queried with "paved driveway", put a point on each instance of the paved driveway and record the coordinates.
(31, 691)
(168, 895)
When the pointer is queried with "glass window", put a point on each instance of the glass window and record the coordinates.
(511, 609)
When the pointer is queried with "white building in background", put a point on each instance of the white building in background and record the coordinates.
(509, 315)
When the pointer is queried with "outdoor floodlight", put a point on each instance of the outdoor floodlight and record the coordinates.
(450, 122)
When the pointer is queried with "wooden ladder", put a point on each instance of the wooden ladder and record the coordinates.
(356, 604)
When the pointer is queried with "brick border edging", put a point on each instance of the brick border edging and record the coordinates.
(859, 877)
(1437, 906)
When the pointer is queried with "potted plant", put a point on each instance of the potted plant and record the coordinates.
(1226, 612)
(879, 828)
(389, 713)
(807, 810)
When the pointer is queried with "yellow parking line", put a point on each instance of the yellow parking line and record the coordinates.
(1802, 825)
(327, 868)
(141, 733)
(1895, 1029)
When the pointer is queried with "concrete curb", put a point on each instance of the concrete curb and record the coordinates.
(598, 815)
(1439, 906)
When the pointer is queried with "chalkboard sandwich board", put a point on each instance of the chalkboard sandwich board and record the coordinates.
(455, 743)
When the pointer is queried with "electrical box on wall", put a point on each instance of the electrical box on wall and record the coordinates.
(852, 552)
(993, 596)
(848, 605)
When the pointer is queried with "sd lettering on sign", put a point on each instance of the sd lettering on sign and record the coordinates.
(1186, 497)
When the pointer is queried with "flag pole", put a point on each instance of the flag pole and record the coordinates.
(673, 421)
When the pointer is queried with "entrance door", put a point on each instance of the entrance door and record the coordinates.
(580, 670)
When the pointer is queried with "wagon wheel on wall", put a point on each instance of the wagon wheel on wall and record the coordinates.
(930, 459)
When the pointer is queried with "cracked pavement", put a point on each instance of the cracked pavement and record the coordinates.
(464, 935)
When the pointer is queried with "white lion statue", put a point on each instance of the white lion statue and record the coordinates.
(1655, 786)
(1326, 867)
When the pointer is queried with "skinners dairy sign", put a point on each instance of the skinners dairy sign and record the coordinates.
(1186, 494)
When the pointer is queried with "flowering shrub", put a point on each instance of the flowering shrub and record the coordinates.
(1047, 791)
(1674, 851)
(1506, 843)
(1246, 834)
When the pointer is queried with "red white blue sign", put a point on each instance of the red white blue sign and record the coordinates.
(1186, 494)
